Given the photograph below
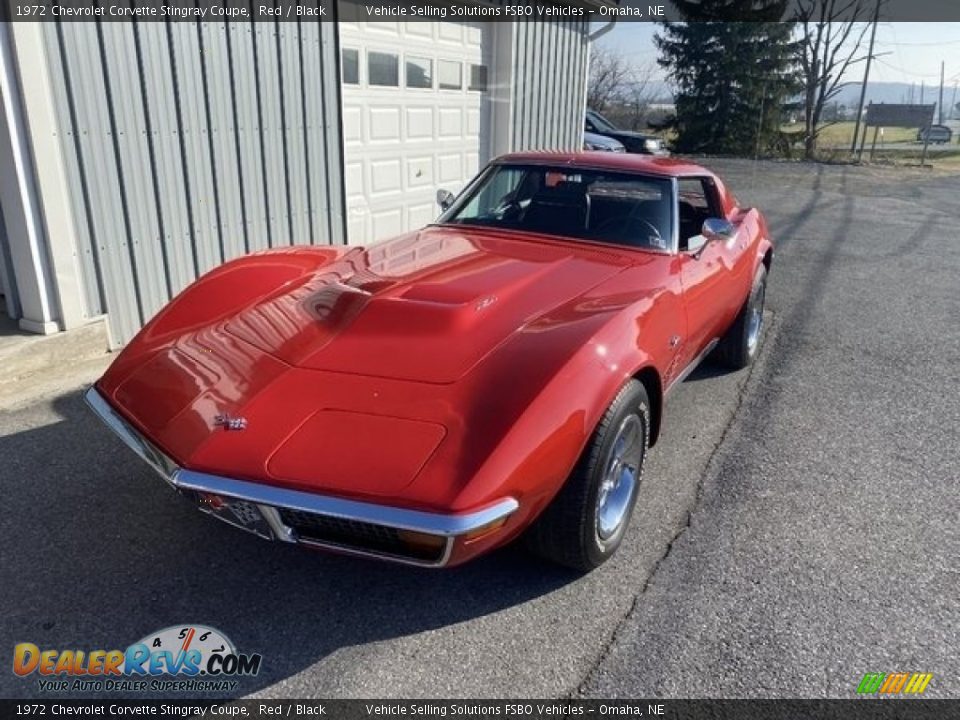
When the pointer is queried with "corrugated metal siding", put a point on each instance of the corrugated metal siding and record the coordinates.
(188, 144)
(550, 69)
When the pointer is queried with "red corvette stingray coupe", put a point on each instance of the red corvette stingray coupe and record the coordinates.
(426, 399)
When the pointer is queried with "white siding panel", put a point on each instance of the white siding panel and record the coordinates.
(187, 144)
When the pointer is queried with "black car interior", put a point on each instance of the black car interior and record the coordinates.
(555, 210)
(691, 221)
(607, 207)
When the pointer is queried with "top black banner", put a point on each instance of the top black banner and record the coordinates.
(596, 11)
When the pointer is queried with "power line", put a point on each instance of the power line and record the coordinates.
(866, 79)
(907, 72)
(919, 44)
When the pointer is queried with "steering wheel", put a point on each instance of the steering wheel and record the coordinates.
(654, 239)
(508, 209)
(630, 228)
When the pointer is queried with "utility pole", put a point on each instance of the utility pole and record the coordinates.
(940, 103)
(866, 77)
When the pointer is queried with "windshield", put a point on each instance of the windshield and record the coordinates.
(600, 122)
(611, 207)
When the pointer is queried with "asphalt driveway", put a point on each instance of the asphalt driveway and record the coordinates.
(797, 526)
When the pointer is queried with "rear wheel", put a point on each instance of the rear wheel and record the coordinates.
(739, 346)
(584, 525)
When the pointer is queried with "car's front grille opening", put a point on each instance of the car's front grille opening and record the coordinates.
(365, 536)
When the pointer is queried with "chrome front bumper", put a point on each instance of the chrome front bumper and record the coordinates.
(262, 509)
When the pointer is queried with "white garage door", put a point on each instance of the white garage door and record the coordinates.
(415, 119)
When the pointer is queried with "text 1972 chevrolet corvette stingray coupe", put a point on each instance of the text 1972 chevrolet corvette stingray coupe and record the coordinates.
(424, 400)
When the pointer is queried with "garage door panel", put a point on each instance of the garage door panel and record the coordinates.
(420, 215)
(352, 125)
(383, 27)
(420, 172)
(353, 179)
(473, 121)
(449, 168)
(451, 123)
(450, 31)
(423, 29)
(386, 223)
(419, 122)
(357, 218)
(385, 124)
(385, 177)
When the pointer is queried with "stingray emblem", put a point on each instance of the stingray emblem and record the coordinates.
(230, 423)
(485, 302)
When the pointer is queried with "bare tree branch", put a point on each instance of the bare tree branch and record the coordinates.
(609, 75)
(830, 45)
(619, 88)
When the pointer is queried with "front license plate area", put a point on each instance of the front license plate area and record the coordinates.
(239, 513)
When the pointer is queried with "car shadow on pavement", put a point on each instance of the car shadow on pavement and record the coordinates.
(707, 370)
(99, 552)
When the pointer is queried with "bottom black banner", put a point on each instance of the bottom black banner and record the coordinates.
(907, 709)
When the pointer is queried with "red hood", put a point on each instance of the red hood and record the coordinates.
(333, 351)
(425, 307)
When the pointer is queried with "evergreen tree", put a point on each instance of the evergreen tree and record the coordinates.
(731, 78)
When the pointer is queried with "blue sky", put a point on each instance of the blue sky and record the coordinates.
(915, 50)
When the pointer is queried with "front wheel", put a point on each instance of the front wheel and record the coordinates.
(739, 346)
(585, 523)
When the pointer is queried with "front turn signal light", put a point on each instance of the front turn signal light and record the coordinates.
(423, 542)
(484, 530)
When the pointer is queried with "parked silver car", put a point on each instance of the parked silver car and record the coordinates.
(634, 142)
(592, 141)
(935, 134)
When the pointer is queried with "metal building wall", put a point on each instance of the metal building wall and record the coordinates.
(549, 84)
(188, 144)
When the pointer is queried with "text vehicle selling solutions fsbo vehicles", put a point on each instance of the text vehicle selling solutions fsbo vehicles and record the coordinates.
(501, 372)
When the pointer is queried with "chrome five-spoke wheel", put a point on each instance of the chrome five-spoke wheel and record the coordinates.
(584, 524)
(620, 480)
(756, 319)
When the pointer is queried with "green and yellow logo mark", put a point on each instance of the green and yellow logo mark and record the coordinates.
(894, 683)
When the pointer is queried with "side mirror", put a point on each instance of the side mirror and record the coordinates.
(696, 244)
(717, 229)
(445, 199)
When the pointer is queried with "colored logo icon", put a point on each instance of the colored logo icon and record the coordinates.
(899, 683)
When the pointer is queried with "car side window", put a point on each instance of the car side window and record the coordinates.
(698, 201)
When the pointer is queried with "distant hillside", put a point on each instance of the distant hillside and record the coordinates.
(893, 92)
(886, 92)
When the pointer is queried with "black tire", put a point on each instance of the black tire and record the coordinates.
(739, 346)
(570, 531)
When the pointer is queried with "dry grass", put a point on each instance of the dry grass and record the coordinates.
(841, 134)
(944, 159)
(897, 146)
